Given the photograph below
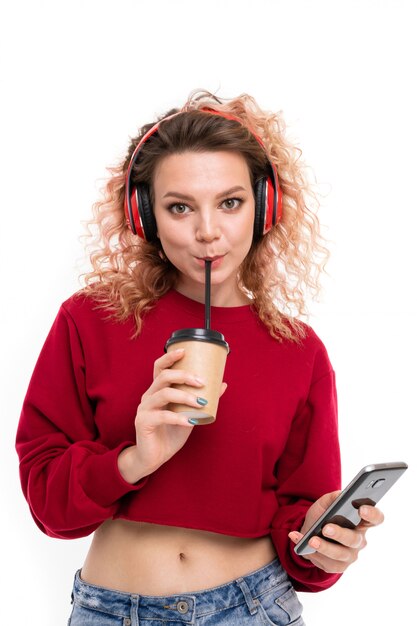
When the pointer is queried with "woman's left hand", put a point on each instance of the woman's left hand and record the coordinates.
(335, 558)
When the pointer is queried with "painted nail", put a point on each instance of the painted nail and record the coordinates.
(193, 421)
(202, 401)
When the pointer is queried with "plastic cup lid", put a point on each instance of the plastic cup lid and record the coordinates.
(198, 334)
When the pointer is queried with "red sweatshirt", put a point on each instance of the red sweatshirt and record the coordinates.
(272, 451)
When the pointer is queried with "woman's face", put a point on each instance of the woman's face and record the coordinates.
(205, 208)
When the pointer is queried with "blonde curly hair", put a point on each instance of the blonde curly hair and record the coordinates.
(130, 274)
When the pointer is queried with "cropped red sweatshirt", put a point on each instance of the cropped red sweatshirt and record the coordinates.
(272, 451)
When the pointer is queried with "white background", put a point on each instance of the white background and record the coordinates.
(78, 78)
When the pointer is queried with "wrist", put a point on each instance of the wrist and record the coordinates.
(130, 466)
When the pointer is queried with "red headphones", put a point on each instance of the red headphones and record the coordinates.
(138, 207)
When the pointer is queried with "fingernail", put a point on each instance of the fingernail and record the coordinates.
(193, 421)
(329, 531)
(315, 543)
(202, 401)
(178, 350)
(198, 380)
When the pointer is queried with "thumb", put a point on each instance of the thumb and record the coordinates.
(328, 499)
(223, 389)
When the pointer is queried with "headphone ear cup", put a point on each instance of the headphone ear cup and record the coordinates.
(260, 206)
(146, 212)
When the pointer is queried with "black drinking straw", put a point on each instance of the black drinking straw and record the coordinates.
(208, 284)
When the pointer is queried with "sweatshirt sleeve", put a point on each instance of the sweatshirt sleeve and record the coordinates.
(309, 468)
(70, 480)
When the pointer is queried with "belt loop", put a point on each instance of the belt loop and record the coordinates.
(252, 604)
(134, 613)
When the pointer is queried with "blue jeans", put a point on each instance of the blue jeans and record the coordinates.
(261, 598)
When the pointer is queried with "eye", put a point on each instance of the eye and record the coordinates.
(232, 203)
(177, 209)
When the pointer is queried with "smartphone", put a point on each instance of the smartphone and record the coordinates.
(368, 487)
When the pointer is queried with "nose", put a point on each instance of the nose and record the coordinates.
(207, 228)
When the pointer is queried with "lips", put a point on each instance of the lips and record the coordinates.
(215, 260)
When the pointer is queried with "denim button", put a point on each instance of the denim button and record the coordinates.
(182, 607)
(127, 621)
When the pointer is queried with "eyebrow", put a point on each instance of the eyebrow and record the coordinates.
(183, 196)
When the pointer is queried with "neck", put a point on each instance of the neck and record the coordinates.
(220, 296)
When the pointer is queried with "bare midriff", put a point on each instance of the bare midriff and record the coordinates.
(151, 559)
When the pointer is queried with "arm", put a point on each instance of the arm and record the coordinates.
(71, 481)
(308, 468)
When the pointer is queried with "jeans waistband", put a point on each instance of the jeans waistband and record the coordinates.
(184, 606)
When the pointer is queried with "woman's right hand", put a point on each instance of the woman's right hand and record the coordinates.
(160, 433)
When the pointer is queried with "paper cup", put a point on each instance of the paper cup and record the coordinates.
(205, 353)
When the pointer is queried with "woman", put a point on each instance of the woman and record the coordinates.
(192, 524)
